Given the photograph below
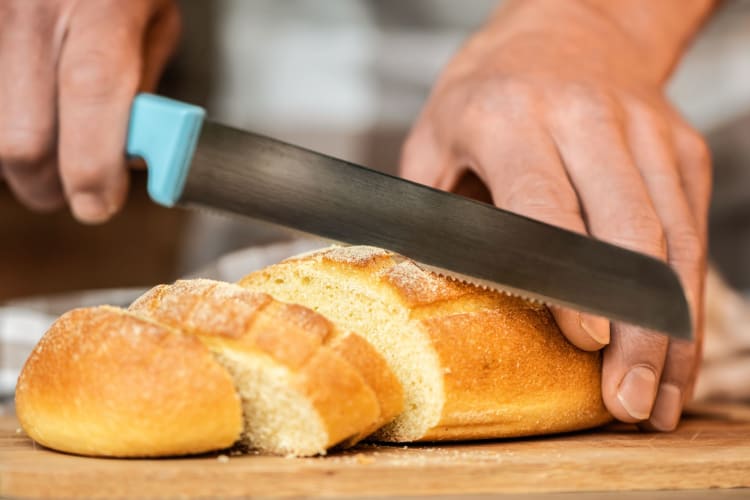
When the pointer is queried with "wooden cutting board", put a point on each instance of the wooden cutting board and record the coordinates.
(711, 449)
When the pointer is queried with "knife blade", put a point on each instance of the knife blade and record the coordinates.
(211, 165)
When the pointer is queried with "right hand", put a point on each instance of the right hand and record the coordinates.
(574, 131)
(70, 70)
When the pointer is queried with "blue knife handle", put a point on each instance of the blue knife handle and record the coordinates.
(164, 133)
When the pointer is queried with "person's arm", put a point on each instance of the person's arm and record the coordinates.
(558, 108)
(70, 70)
(650, 35)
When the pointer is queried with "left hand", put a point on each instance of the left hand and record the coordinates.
(70, 70)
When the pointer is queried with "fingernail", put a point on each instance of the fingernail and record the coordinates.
(637, 392)
(595, 327)
(668, 407)
(89, 208)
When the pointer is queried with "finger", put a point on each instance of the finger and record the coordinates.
(631, 369)
(618, 210)
(99, 74)
(694, 164)
(679, 369)
(27, 105)
(422, 158)
(37, 186)
(651, 143)
(160, 43)
(529, 179)
(657, 160)
(586, 331)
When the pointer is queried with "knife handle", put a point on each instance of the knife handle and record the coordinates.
(164, 133)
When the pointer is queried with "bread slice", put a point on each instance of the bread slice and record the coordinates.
(305, 386)
(378, 375)
(104, 382)
(473, 363)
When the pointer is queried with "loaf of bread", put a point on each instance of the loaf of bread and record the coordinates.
(176, 373)
(105, 382)
(200, 365)
(473, 363)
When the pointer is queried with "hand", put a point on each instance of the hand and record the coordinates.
(575, 132)
(70, 70)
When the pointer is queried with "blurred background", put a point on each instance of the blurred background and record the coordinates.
(345, 77)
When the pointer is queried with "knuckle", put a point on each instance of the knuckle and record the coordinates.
(687, 249)
(584, 101)
(641, 107)
(639, 231)
(697, 167)
(86, 175)
(539, 195)
(648, 118)
(681, 364)
(38, 187)
(512, 87)
(696, 146)
(633, 346)
(96, 75)
(500, 95)
(24, 146)
(20, 18)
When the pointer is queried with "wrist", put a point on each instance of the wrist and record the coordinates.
(639, 38)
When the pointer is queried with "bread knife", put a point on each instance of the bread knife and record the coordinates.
(195, 162)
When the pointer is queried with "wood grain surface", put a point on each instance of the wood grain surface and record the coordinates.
(711, 449)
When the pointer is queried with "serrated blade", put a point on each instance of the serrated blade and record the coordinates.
(482, 283)
(267, 179)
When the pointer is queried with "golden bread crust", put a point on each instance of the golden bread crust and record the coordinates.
(104, 382)
(509, 371)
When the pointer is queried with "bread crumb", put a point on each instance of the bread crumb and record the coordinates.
(19, 430)
(363, 459)
(222, 459)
